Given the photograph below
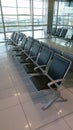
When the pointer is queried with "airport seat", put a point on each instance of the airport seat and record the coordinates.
(10, 39)
(15, 39)
(58, 32)
(53, 79)
(42, 60)
(26, 48)
(21, 44)
(33, 52)
(63, 33)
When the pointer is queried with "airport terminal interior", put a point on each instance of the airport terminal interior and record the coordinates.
(27, 102)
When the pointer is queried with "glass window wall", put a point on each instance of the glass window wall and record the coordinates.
(63, 15)
(27, 16)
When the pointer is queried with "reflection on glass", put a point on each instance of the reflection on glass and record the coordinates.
(63, 15)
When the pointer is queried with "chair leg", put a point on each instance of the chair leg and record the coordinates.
(61, 99)
(49, 103)
(57, 98)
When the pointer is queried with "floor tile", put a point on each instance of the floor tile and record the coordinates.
(69, 120)
(4, 93)
(8, 102)
(36, 116)
(5, 82)
(13, 119)
(70, 89)
(65, 108)
(57, 125)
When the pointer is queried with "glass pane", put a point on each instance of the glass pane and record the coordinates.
(38, 4)
(1, 29)
(9, 3)
(23, 3)
(38, 20)
(1, 37)
(28, 33)
(54, 19)
(10, 29)
(37, 11)
(9, 10)
(10, 23)
(1, 25)
(24, 11)
(39, 34)
(10, 20)
(24, 20)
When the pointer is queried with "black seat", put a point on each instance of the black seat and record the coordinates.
(56, 73)
(11, 39)
(14, 40)
(58, 32)
(21, 44)
(21, 36)
(34, 50)
(63, 33)
(44, 44)
(25, 52)
(43, 57)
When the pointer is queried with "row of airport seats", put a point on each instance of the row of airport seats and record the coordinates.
(15, 38)
(45, 66)
(61, 33)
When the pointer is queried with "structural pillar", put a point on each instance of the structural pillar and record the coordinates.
(50, 15)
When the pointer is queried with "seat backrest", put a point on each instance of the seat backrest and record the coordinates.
(44, 56)
(36, 47)
(21, 36)
(59, 67)
(44, 44)
(58, 32)
(12, 35)
(28, 44)
(63, 32)
(17, 38)
(23, 41)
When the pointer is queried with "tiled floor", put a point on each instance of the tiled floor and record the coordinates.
(21, 103)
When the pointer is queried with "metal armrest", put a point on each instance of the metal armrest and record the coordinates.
(20, 53)
(40, 66)
(29, 57)
(54, 81)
